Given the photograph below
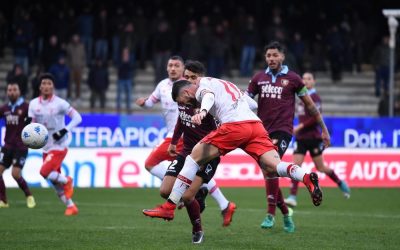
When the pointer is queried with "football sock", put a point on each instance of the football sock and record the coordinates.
(23, 186)
(216, 193)
(184, 179)
(60, 192)
(193, 210)
(294, 187)
(69, 203)
(3, 195)
(291, 170)
(281, 203)
(272, 188)
(57, 177)
(333, 176)
(159, 170)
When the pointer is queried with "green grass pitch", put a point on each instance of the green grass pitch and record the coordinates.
(112, 219)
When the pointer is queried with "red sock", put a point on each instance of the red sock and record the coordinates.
(193, 210)
(333, 177)
(294, 187)
(281, 203)
(3, 195)
(272, 189)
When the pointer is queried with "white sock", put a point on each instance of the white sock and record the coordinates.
(57, 177)
(216, 193)
(61, 195)
(291, 170)
(159, 170)
(184, 179)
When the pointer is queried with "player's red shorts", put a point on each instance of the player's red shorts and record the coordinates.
(52, 161)
(250, 136)
(160, 152)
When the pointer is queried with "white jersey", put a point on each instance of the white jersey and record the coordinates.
(170, 111)
(51, 113)
(230, 105)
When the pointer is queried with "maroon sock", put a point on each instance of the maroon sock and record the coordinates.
(3, 195)
(333, 177)
(272, 187)
(294, 187)
(22, 185)
(281, 203)
(193, 210)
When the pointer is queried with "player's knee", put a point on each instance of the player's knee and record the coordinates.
(16, 176)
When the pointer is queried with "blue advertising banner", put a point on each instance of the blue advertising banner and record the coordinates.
(147, 130)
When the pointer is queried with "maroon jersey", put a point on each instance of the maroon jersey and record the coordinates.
(311, 129)
(192, 133)
(14, 115)
(276, 98)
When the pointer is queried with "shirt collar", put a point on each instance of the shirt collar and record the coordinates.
(284, 70)
(311, 91)
(18, 102)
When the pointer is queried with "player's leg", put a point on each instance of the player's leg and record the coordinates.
(5, 162)
(193, 209)
(291, 200)
(19, 161)
(154, 162)
(51, 170)
(320, 165)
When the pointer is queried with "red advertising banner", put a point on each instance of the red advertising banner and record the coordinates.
(359, 168)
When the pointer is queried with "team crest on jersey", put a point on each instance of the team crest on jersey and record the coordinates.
(284, 82)
(19, 112)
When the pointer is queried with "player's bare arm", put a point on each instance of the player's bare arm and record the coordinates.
(206, 104)
(310, 105)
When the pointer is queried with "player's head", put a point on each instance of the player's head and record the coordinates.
(13, 91)
(46, 86)
(184, 92)
(274, 55)
(309, 80)
(175, 67)
(193, 71)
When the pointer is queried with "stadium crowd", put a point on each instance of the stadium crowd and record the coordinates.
(63, 37)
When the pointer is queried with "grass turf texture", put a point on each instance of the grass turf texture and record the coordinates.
(113, 219)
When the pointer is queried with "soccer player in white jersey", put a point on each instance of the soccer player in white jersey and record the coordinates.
(50, 110)
(162, 94)
(240, 128)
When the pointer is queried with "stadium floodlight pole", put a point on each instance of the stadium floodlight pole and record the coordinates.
(391, 15)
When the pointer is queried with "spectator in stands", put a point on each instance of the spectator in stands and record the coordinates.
(51, 52)
(380, 61)
(35, 83)
(125, 81)
(298, 48)
(141, 31)
(17, 75)
(191, 42)
(101, 35)
(216, 56)
(85, 30)
(129, 41)
(163, 43)
(335, 53)
(98, 82)
(117, 24)
(61, 74)
(76, 61)
(3, 33)
(250, 39)
(21, 49)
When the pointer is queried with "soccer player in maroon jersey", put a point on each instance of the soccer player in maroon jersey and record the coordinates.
(277, 87)
(14, 152)
(308, 138)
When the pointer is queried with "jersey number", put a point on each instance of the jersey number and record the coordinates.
(232, 90)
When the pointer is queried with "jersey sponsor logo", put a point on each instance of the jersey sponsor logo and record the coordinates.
(12, 119)
(186, 119)
(262, 82)
(271, 91)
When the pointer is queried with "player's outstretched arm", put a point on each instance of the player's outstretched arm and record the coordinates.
(207, 102)
(313, 110)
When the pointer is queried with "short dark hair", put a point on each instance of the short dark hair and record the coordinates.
(309, 72)
(274, 45)
(196, 67)
(177, 86)
(176, 57)
(47, 76)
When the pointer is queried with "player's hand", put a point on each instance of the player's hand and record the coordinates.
(140, 101)
(60, 134)
(326, 138)
(297, 128)
(196, 119)
(172, 150)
